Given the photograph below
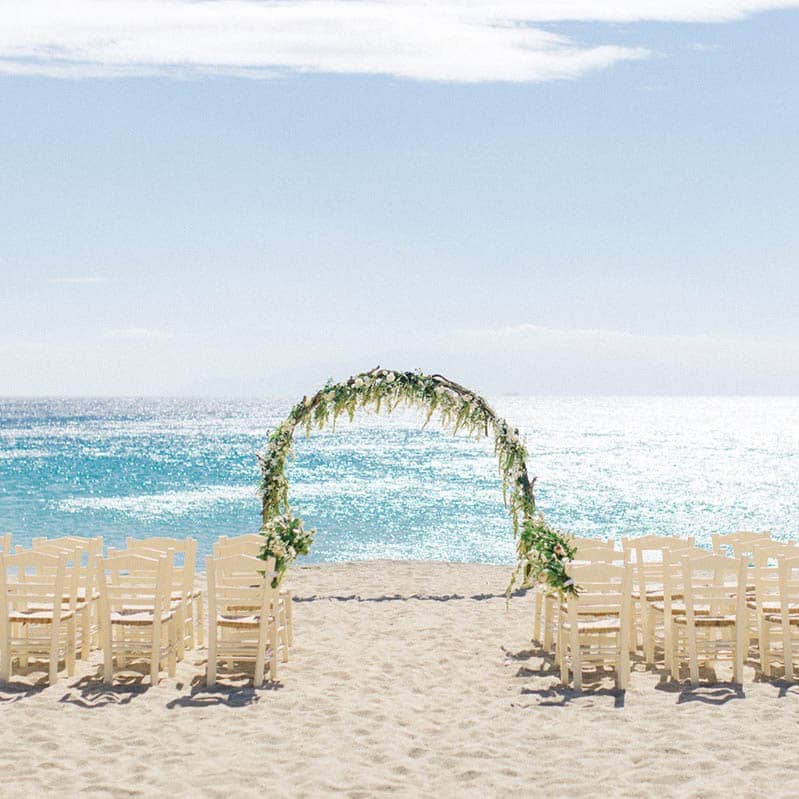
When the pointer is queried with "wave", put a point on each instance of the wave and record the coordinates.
(168, 503)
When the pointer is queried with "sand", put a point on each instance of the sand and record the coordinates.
(406, 679)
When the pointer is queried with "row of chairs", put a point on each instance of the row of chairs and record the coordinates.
(663, 594)
(63, 598)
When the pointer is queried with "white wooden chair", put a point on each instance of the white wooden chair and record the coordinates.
(136, 615)
(252, 544)
(736, 544)
(242, 623)
(777, 591)
(647, 555)
(81, 554)
(186, 595)
(33, 620)
(244, 538)
(545, 603)
(595, 624)
(763, 594)
(714, 622)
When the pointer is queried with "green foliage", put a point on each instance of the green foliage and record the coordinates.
(284, 539)
(542, 551)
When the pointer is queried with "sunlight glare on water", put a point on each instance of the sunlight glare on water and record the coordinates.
(382, 488)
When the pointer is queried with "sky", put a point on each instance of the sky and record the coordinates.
(234, 197)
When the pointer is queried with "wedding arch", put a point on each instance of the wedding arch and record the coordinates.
(542, 552)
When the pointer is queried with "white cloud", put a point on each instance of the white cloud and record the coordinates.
(614, 341)
(594, 337)
(576, 360)
(448, 40)
(76, 280)
(140, 334)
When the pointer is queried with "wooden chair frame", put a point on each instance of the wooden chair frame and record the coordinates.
(137, 618)
(243, 623)
(33, 619)
(595, 624)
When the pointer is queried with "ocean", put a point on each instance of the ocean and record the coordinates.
(383, 488)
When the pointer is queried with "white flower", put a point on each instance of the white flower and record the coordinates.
(358, 382)
(390, 377)
(440, 390)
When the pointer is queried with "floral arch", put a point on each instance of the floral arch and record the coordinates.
(542, 551)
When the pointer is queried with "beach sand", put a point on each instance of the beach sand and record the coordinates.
(406, 679)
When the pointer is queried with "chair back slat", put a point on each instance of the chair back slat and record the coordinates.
(648, 555)
(31, 580)
(129, 580)
(737, 542)
(251, 544)
(238, 584)
(182, 553)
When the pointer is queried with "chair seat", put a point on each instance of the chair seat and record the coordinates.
(678, 608)
(80, 605)
(776, 618)
(772, 607)
(252, 620)
(708, 621)
(38, 616)
(654, 588)
(138, 616)
(595, 626)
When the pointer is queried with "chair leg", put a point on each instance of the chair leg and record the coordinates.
(53, 665)
(741, 641)
(155, 654)
(577, 660)
(693, 658)
(674, 657)
(623, 666)
(548, 622)
(172, 634)
(122, 657)
(106, 637)
(787, 651)
(70, 650)
(537, 615)
(273, 642)
(86, 631)
(210, 671)
(281, 617)
(648, 633)
(258, 673)
(188, 630)
(764, 645)
(198, 615)
(181, 623)
(290, 616)
(668, 642)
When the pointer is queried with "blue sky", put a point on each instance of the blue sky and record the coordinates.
(601, 203)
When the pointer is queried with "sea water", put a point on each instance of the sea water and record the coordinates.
(383, 488)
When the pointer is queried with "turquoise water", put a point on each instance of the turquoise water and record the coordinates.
(381, 488)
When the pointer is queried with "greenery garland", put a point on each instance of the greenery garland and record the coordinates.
(542, 551)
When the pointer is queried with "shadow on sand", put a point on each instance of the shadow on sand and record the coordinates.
(408, 597)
